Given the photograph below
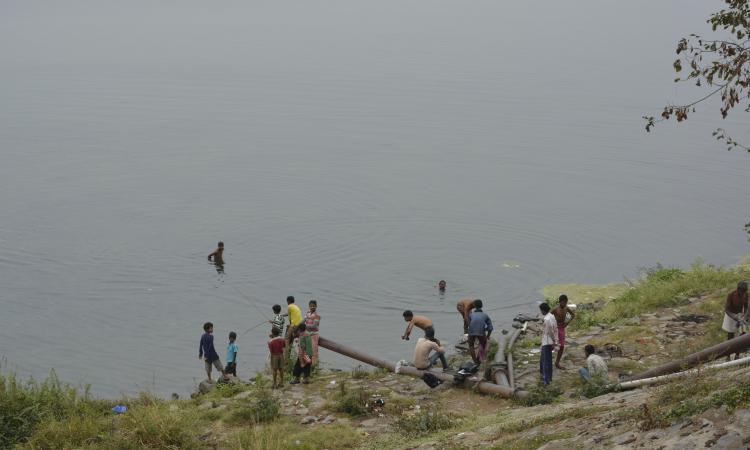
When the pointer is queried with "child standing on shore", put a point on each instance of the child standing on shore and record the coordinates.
(276, 348)
(207, 352)
(232, 355)
(312, 324)
(278, 320)
(304, 356)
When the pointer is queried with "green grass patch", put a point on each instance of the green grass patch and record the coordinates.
(583, 293)
(424, 422)
(288, 434)
(541, 395)
(354, 402)
(261, 407)
(25, 405)
(661, 287)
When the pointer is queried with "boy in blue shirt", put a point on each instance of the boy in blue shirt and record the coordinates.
(232, 355)
(207, 352)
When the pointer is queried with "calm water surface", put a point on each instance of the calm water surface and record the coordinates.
(354, 152)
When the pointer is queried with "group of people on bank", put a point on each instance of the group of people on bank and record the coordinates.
(302, 330)
(477, 327)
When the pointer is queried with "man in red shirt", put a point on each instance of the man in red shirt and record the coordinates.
(276, 347)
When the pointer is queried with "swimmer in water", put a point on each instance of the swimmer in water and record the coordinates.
(441, 286)
(217, 256)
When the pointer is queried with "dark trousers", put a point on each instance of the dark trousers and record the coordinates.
(299, 370)
(545, 364)
(231, 369)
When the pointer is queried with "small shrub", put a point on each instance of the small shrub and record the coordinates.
(595, 387)
(73, 432)
(156, 427)
(541, 395)
(660, 273)
(228, 389)
(359, 373)
(264, 408)
(424, 422)
(24, 405)
(353, 403)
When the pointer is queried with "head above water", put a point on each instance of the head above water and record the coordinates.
(563, 300)
(544, 308)
(408, 315)
(232, 336)
(478, 304)
(220, 245)
(441, 285)
(208, 327)
(742, 286)
(290, 300)
(276, 309)
(589, 349)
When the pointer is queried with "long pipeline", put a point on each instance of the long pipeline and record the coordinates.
(735, 345)
(482, 386)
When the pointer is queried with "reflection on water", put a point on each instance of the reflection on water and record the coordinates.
(351, 153)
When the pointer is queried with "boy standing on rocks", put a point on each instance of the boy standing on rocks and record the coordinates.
(561, 316)
(549, 342)
(232, 354)
(480, 328)
(207, 352)
(312, 324)
(276, 348)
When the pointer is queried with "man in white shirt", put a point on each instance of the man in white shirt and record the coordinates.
(549, 343)
(595, 365)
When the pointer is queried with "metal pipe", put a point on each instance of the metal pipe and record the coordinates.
(647, 381)
(482, 386)
(509, 357)
(500, 355)
(735, 345)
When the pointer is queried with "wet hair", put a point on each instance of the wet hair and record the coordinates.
(563, 298)
(408, 313)
(207, 326)
(477, 304)
(544, 307)
(290, 300)
(313, 302)
(589, 349)
(277, 308)
(742, 285)
(220, 244)
(275, 332)
(232, 335)
(301, 327)
(429, 333)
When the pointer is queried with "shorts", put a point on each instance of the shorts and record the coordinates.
(215, 363)
(730, 325)
(231, 368)
(561, 336)
(277, 362)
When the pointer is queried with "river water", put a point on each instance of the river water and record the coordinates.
(354, 152)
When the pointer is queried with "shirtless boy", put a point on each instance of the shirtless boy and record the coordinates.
(561, 313)
(464, 307)
(415, 321)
